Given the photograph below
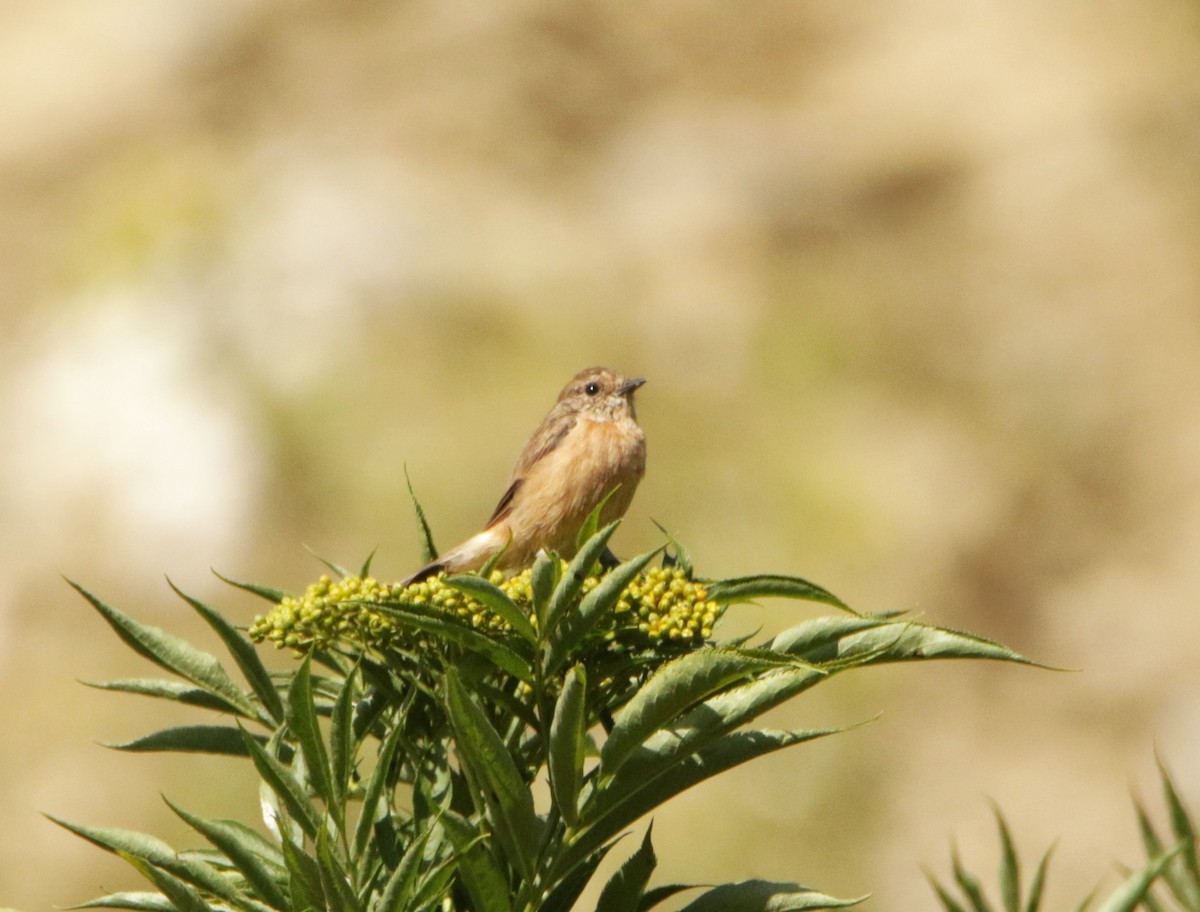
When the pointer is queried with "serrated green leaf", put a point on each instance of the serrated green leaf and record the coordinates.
(335, 882)
(285, 786)
(203, 739)
(481, 876)
(630, 799)
(341, 736)
(304, 878)
(244, 654)
(275, 596)
(178, 691)
(422, 618)
(901, 641)
(398, 892)
(506, 797)
(173, 654)
(702, 724)
(142, 902)
(673, 689)
(573, 627)
(375, 789)
(302, 723)
(625, 888)
(429, 550)
(818, 639)
(132, 845)
(493, 598)
(183, 897)
(566, 593)
(1134, 888)
(564, 896)
(772, 585)
(258, 860)
(567, 742)
(765, 896)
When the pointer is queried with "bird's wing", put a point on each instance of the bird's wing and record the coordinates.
(544, 440)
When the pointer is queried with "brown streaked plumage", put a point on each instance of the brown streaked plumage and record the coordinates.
(588, 446)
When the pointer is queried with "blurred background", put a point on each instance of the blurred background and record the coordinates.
(916, 288)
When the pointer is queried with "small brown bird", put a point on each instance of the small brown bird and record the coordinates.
(587, 447)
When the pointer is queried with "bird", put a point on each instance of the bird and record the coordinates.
(588, 447)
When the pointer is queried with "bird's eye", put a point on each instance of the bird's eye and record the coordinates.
(592, 388)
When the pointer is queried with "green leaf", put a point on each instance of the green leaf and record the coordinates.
(1134, 888)
(567, 743)
(376, 788)
(203, 739)
(1034, 901)
(283, 784)
(132, 845)
(544, 579)
(564, 896)
(275, 596)
(365, 570)
(505, 795)
(949, 903)
(244, 654)
(678, 556)
(671, 690)
(765, 896)
(1010, 870)
(187, 694)
(588, 530)
(302, 723)
(493, 597)
(481, 876)
(422, 618)
(1182, 874)
(624, 889)
(429, 550)
(567, 591)
(656, 895)
(865, 641)
(969, 884)
(258, 860)
(182, 896)
(142, 902)
(576, 624)
(341, 736)
(701, 725)
(175, 655)
(336, 569)
(771, 585)
(400, 887)
(335, 881)
(630, 798)
(304, 878)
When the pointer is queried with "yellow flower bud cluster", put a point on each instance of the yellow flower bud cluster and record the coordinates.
(346, 610)
(665, 605)
(660, 604)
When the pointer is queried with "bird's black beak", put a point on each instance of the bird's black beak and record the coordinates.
(630, 385)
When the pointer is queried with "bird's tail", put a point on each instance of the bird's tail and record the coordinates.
(470, 555)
